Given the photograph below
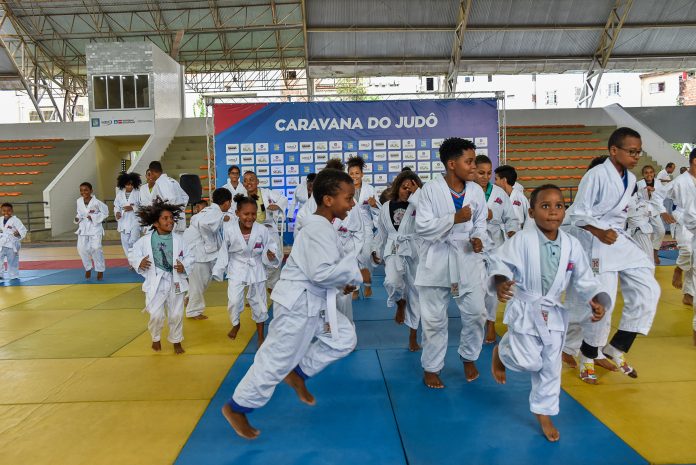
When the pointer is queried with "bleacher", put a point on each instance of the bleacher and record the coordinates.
(187, 155)
(27, 166)
(558, 154)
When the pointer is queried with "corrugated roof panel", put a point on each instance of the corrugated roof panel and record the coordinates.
(323, 13)
(547, 12)
(531, 43)
(663, 11)
(656, 41)
(380, 44)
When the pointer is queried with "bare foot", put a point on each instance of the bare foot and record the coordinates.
(233, 332)
(432, 380)
(606, 364)
(178, 349)
(367, 291)
(490, 333)
(548, 427)
(100, 275)
(157, 346)
(186, 301)
(239, 423)
(688, 300)
(400, 316)
(413, 341)
(656, 257)
(694, 336)
(569, 360)
(497, 367)
(259, 332)
(470, 371)
(88, 274)
(199, 317)
(297, 383)
(677, 278)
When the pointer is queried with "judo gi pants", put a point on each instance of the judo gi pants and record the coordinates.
(344, 304)
(683, 238)
(295, 340)
(273, 274)
(399, 285)
(129, 238)
(199, 280)
(90, 249)
(256, 295)
(641, 293)
(526, 353)
(658, 232)
(170, 305)
(645, 242)
(12, 257)
(433, 306)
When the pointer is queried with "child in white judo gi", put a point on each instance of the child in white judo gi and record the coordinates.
(502, 224)
(506, 179)
(307, 332)
(234, 183)
(12, 231)
(451, 220)
(169, 191)
(681, 192)
(203, 239)
(247, 249)
(638, 223)
(597, 218)
(652, 193)
(162, 259)
(688, 198)
(303, 192)
(126, 205)
(397, 244)
(91, 213)
(199, 206)
(531, 271)
(366, 201)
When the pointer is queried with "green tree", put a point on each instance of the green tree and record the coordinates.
(199, 107)
(353, 89)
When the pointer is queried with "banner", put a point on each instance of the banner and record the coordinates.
(284, 142)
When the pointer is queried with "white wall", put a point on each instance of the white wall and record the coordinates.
(167, 84)
(156, 145)
(67, 131)
(658, 99)
(62, 192)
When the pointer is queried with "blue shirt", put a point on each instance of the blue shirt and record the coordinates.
(458, 198)
(549, 258)
(163, 251)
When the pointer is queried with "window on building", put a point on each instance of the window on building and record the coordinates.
(468, 78)
(49, 114)
(551, 97)
(115, 92)
(613, 89)
(657, 87)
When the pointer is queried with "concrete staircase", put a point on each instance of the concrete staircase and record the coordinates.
(27, 166)
(558, 154)
(187, 155)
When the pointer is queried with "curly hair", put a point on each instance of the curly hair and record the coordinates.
(357, 162)
(399, 180)
(135, 180)
(335, 164)
(241, 199)
(148, 215)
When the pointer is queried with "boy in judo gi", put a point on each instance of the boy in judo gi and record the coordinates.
(502, 224)
(126, 205)
(451, 220)
(161, 257)
(531, 271)
(91, 213)
(168, 191)
(247, 249)
(203, 238)
(12, 231)
(307, 332)
(397, 245)
(653, 193)
(597, 218)
(506, 179)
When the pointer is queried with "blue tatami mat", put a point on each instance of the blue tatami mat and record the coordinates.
(76, 276)
(26, 276)
(486, 423)
(352, 423)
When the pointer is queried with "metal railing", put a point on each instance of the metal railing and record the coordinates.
(32, 221)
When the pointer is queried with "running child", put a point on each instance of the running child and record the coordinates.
(125, 209)
(12, 231)
(91, 213)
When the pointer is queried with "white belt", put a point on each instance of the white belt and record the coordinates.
(331, 315)
(535, 304)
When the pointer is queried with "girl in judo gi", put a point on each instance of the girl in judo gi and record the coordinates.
(502, 224)
(160, 256)
(397, 245)
(125, 209)
(247, 249)
(451, 220)
(12, 231)
(307, 332)
(530, 272)
(91, 213)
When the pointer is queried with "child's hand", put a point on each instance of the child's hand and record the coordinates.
(128, 208)
(375, 258)
(16, 233)
(667, 218)
(179, 267)
(463, 215)
(372, 202)
(606, 236)
(226, 218)
(510, 233)
(348, 289)
(597, 310)
(118, 215)
(504, 290)
(273, 207)
(89, 217)
(476, 244)
(271, 256)
(145, 263)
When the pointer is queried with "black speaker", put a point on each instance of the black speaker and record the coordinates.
(191, 184)
(429, 84)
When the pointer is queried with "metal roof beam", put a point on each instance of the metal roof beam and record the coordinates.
(607, 40)
(308, 80)
(457, 42)
(496, 28)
